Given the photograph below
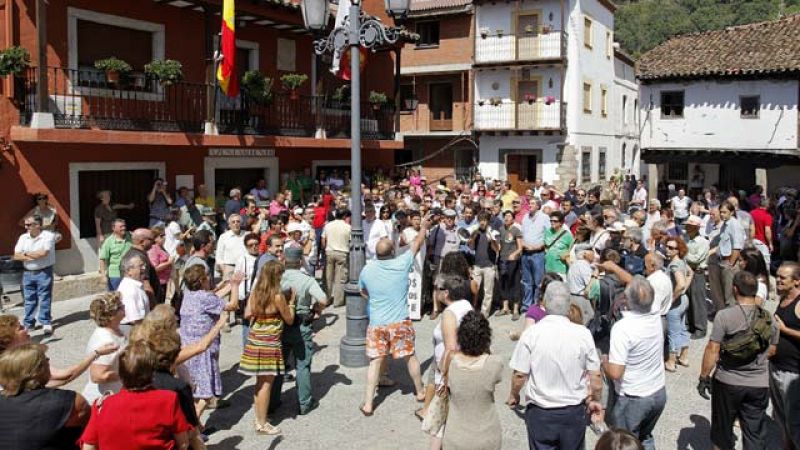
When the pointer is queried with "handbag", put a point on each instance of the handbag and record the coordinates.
(436, 417)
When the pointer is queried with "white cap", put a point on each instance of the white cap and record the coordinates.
(292, 227)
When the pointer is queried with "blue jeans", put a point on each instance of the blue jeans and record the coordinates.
(37, 289)
(677, 335)
(532, 274)
(113, 283)
(639, 415)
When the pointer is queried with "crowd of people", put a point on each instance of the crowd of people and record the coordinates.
(612, 285)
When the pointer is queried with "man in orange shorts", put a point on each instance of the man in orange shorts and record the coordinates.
(384, 283)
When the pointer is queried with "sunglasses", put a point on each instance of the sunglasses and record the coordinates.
(28, 225)
(672, 247)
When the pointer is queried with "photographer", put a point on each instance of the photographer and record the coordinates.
(159, 201)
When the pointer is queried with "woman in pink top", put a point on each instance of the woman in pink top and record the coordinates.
(278, 205)
(161, 261)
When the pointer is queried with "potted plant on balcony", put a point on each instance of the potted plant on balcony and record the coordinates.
(549, 100)
(257, 86)
(500, 32)
(341, 95)
(484, 32)
(495, 101)
(546, 29)
(529, 29)
(292, 82)
(114, 68)
(530, 98)
(14, 60)
(377, 99)
(167, 71)
(481, 102)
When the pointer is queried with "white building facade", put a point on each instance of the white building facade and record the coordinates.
(554, 97)
(727, 114)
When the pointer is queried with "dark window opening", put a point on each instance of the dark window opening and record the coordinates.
(750, 106)
(672, 104)
(125, 187)
(428, 34)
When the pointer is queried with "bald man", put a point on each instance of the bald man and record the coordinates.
(141, 241)
(384, 283)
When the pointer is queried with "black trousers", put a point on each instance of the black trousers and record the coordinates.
(510, 277)
(697, 315)
(749, 404)
(556, 428)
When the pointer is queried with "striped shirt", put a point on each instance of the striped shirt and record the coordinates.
(556, 354)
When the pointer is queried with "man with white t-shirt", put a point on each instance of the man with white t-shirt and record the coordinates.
(132, 293)
(680, 206)
(635, 362)
(660, 282)
(555, 376)
(37, 250)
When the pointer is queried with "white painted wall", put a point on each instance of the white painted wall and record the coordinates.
(490, 166)
(712, 116)
(499, 15)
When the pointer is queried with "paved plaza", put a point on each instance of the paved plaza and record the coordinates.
(337, 424)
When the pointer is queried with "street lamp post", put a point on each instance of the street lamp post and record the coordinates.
(357, 31)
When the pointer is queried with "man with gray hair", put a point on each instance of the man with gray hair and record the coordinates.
(131, 290)
(142, 240)
(635, 363)
(230, 246)
(554, 376)
(534, 225)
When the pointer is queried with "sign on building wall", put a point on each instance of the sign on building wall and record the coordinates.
(242, 152)
(286, 54)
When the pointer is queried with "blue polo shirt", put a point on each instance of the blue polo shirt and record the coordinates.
(386, 282)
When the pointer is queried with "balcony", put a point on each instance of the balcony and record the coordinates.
(509, 48)
(81, 99)
(510, 116)
(442, 122)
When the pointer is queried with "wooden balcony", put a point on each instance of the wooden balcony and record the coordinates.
(527, 47)
(440, 123)
(84, 98)
(523, 116)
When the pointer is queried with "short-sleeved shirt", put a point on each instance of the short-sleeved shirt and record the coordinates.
(637, 342)
(306, 289)
(107, 215)
(677, 266)
(680, 206)
(159, 208)
(557, 242)
(443, 241)
(578, 276)
(662, 288)
(112, 251)
(557, 373)
(158, 256)
(731, 237)
(729, 322)
(99, 338)
(158, 418)
(533, 228)
(134, 299)
(508, 241)
(761, 220)
(386, 283)
(35, 419)
(45, 240)
(337, 236)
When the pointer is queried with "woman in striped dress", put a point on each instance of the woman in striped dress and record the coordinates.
(267, 309)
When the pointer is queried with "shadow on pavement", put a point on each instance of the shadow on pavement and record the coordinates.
(321, 384)
(229, 443)
(698, 437)
(240, 400)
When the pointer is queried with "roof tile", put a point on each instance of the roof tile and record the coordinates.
(759, 48)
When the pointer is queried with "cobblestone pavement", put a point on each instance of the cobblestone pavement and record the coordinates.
(337, 423)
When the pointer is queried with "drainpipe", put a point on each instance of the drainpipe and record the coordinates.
(42, 118)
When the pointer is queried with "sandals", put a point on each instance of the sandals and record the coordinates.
(267, 429)
(419, 414)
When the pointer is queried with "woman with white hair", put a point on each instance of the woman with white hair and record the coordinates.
(107, 311)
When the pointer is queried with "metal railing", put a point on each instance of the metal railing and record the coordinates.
(496, 48)
(536, 116)
(84, 98)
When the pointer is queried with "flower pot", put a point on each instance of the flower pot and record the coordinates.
(530, 101)
(376, 106)
(481, 102)
(294, 94)
(529, 29)
(499, 33)
(112, 76)
(545, 29)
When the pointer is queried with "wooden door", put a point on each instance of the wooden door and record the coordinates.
(527, 36)
(126, 186)
(521, 171)
(441, 106)
(527, 110)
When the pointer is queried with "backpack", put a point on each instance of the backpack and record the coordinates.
(605, 312)
(745, 346)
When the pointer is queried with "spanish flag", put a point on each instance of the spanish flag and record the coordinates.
(226, 72)
(344, 64)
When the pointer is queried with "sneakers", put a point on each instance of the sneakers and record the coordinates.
(47, 329)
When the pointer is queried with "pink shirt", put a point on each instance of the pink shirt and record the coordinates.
(158, 256)
(276, 208)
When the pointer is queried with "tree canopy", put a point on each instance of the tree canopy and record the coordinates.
(644, 24)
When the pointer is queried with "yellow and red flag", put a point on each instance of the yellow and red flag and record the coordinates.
(226, 72)
(344, 65)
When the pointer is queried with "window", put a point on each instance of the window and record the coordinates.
(406, 97)
(603, 101)
(624, 110)
(601, 164)
(587, 32)
(609, 45)
(464, 163)
(586, 164)
(750, 106)
(672, 105)
(99, 41)
(624, 156)
(428, 34)
(287, 54)
(587, 98)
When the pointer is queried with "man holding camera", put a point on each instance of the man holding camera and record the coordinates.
(159, 201)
